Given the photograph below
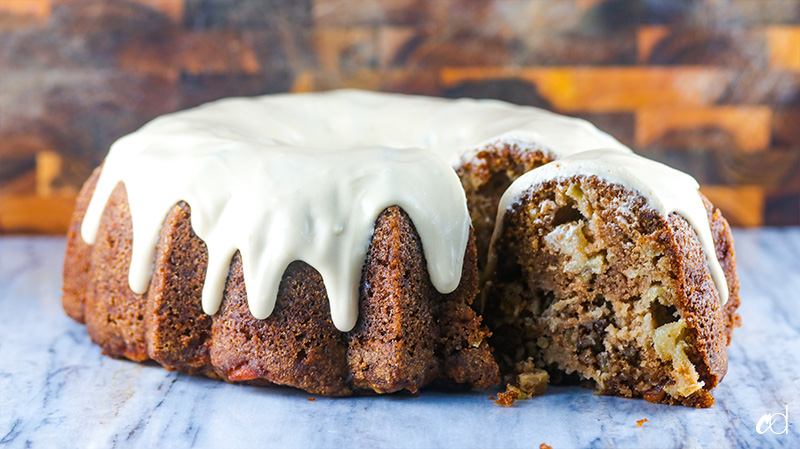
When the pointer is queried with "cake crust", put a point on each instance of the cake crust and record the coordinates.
(407, 336)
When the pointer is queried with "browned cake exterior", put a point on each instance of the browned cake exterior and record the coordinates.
(407, 335)
(638, 288)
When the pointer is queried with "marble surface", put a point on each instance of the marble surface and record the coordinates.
(57, 390)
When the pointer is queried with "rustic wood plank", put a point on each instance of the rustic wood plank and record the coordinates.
(39, 9)
(749, 125)
(36, 214)
(610, 89)
(303, 82)
(208, 51)
(646, 39)
(346, 50)
(392, 43)
(48, 167)
(712, 87)
(355, 13)
(174, 9)
(741, 206)
(216, 52)
(420, 82)
(783, 44)
(786, 127)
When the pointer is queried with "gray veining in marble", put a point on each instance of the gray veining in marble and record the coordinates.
(57, 390)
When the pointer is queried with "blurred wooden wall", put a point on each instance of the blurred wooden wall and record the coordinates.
(709, 86)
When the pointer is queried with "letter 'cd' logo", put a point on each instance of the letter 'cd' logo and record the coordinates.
(769, 420)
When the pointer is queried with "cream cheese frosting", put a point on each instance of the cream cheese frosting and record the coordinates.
(304, 177)
(666, 190)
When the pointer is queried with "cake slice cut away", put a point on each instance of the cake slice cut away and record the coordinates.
(593, 283)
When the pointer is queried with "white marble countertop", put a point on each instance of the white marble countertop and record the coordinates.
(57, 390)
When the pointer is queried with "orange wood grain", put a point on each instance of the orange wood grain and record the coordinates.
(393, 80)
(35, 214)
(48, 167)
(783, 45)
(610, 89)
(724, 82)
(173, 9)
(24, 182)
(646, 39)
(349, 13)
(201, 52)
(741, 206)
(216, 52)
(750, 125)
(584, 4)
(345, 49)
(39, 9)
(391, 40)
(145, 58)
(303, 82)
(170, 8)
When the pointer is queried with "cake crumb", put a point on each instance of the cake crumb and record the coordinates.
(527, 382)
(641, 422)
(312, 399)
(507, 398)
(545, 446)
(533, 382)
(491, 397)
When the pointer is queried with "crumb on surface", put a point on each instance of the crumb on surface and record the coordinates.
(545, 446)
(491, 397)
(507, 398)
(527, 383)
(532, 382)
(641, 422)
(312, 399)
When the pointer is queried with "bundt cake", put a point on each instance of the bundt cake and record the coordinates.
(336, 242)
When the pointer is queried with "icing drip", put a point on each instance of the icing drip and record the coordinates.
(304, 176)
(667, 190)
(283, 205)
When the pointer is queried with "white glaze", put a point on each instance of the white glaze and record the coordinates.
(322, 166)
(667, 190)
(287, 204)
(319, 169)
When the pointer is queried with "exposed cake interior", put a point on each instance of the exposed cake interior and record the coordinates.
(583, 289)
(486, 176)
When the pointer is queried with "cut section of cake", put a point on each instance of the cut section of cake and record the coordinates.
(600, 273)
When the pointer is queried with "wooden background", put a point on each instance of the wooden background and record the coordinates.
(711, 87)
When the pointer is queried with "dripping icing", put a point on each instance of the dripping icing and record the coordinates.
(326, 224)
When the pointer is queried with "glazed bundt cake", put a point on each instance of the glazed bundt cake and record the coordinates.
(333, 242)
